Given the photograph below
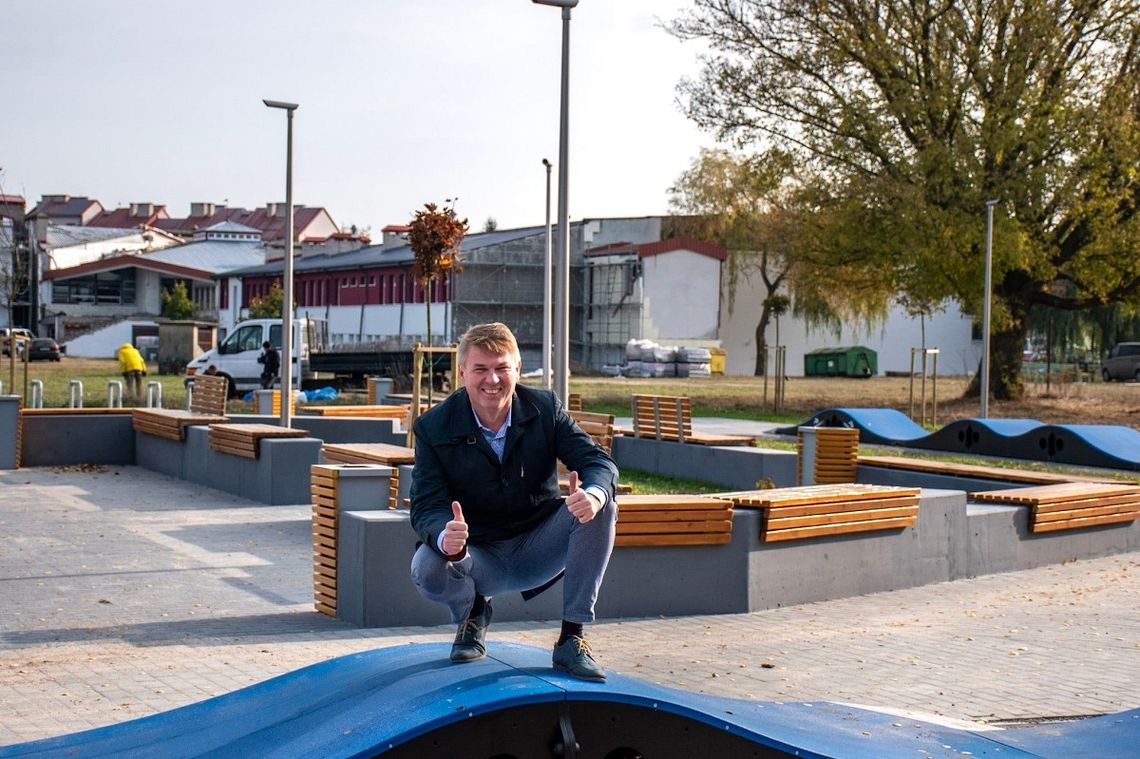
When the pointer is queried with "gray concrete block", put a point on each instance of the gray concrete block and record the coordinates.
(66, 439)
(650, 581)
(362, 487)
(837, 566)
(336, 429)
(160, 454)
(9, 426)
(282, 472)
(734, 467)
(999, 540)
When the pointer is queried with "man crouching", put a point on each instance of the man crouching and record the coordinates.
(486, 503)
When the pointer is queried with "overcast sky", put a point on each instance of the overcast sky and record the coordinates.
(402, 102)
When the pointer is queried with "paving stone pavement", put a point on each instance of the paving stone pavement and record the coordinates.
(124, 592)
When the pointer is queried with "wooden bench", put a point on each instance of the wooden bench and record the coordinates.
(68, 411)
(673, 520)
(953, 469)
(169, 423)
(372, 411)
(600, 427)
(243, 439)
(816, 510)
(372, 453)
(669, 417)
(1069, 505)
(207, 406)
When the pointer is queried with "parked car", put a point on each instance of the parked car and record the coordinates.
(19, 333)
(1122, 363)
(44, 349)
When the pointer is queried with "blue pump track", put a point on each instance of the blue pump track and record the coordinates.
(411, 701)
(1095, 445)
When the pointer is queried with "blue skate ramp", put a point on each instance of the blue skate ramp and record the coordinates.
(1100, 445)
(410, 701)
(885, 426)
(983, 437)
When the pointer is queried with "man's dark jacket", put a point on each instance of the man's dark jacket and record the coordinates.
(454, 462)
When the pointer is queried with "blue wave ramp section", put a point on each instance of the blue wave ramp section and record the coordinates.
(411, 701)
(884, 426)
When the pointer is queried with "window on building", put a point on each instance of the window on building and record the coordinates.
(104, 288)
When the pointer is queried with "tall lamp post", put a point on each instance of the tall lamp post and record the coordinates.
(546, 271)
(562, 312)
(985, 384)
(287, 294)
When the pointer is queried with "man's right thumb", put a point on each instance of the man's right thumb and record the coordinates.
(457, 512)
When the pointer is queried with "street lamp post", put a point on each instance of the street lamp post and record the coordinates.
(562, 286)
(546, 271)
(287, 294)
(985, 384)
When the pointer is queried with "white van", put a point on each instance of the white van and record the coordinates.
(235, 357)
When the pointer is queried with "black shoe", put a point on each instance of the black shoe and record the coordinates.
(471, 638)
(573, 657)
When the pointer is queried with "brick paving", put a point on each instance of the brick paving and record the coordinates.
(125, 592)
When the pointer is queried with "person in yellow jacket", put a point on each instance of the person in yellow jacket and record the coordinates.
(133, 367)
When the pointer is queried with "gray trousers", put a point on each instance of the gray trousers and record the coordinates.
(523, 563)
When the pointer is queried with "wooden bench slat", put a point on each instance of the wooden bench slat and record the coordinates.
(1032, 496)
(1086, 511)
(1089, 503)
(785, 522)
(645, 502)
(672, 540)
(843, 506)
(628, 517)
(650, 528)
(774, 536)
(1075, 523)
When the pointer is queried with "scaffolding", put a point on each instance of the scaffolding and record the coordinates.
(504, 283)
(613, 308)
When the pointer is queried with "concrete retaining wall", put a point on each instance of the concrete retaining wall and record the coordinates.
(734, 467)
(66, 439)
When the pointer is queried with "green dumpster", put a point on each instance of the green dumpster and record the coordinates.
(856, 361)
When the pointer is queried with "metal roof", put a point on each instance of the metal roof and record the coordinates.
(376, 255)
(216, 256)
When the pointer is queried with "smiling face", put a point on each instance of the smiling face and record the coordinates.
(490, 380)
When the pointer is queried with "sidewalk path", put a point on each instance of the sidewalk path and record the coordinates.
(125, 592)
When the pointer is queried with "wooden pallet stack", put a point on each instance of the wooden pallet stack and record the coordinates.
(673, 520)
(826, 455)
(243, 439)
(817, 510)
(1070, 505)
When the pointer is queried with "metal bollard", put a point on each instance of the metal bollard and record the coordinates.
(189, 394)
(154, 394)
(37, 400)
(75, 394)
(114, 394)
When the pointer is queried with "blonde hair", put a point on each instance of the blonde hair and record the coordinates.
(493, 337)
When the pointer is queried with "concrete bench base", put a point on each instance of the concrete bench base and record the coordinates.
(279, 476)
(376, 547)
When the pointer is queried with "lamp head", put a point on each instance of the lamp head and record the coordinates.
(557, 3)
(281, 104)
(546, 163)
